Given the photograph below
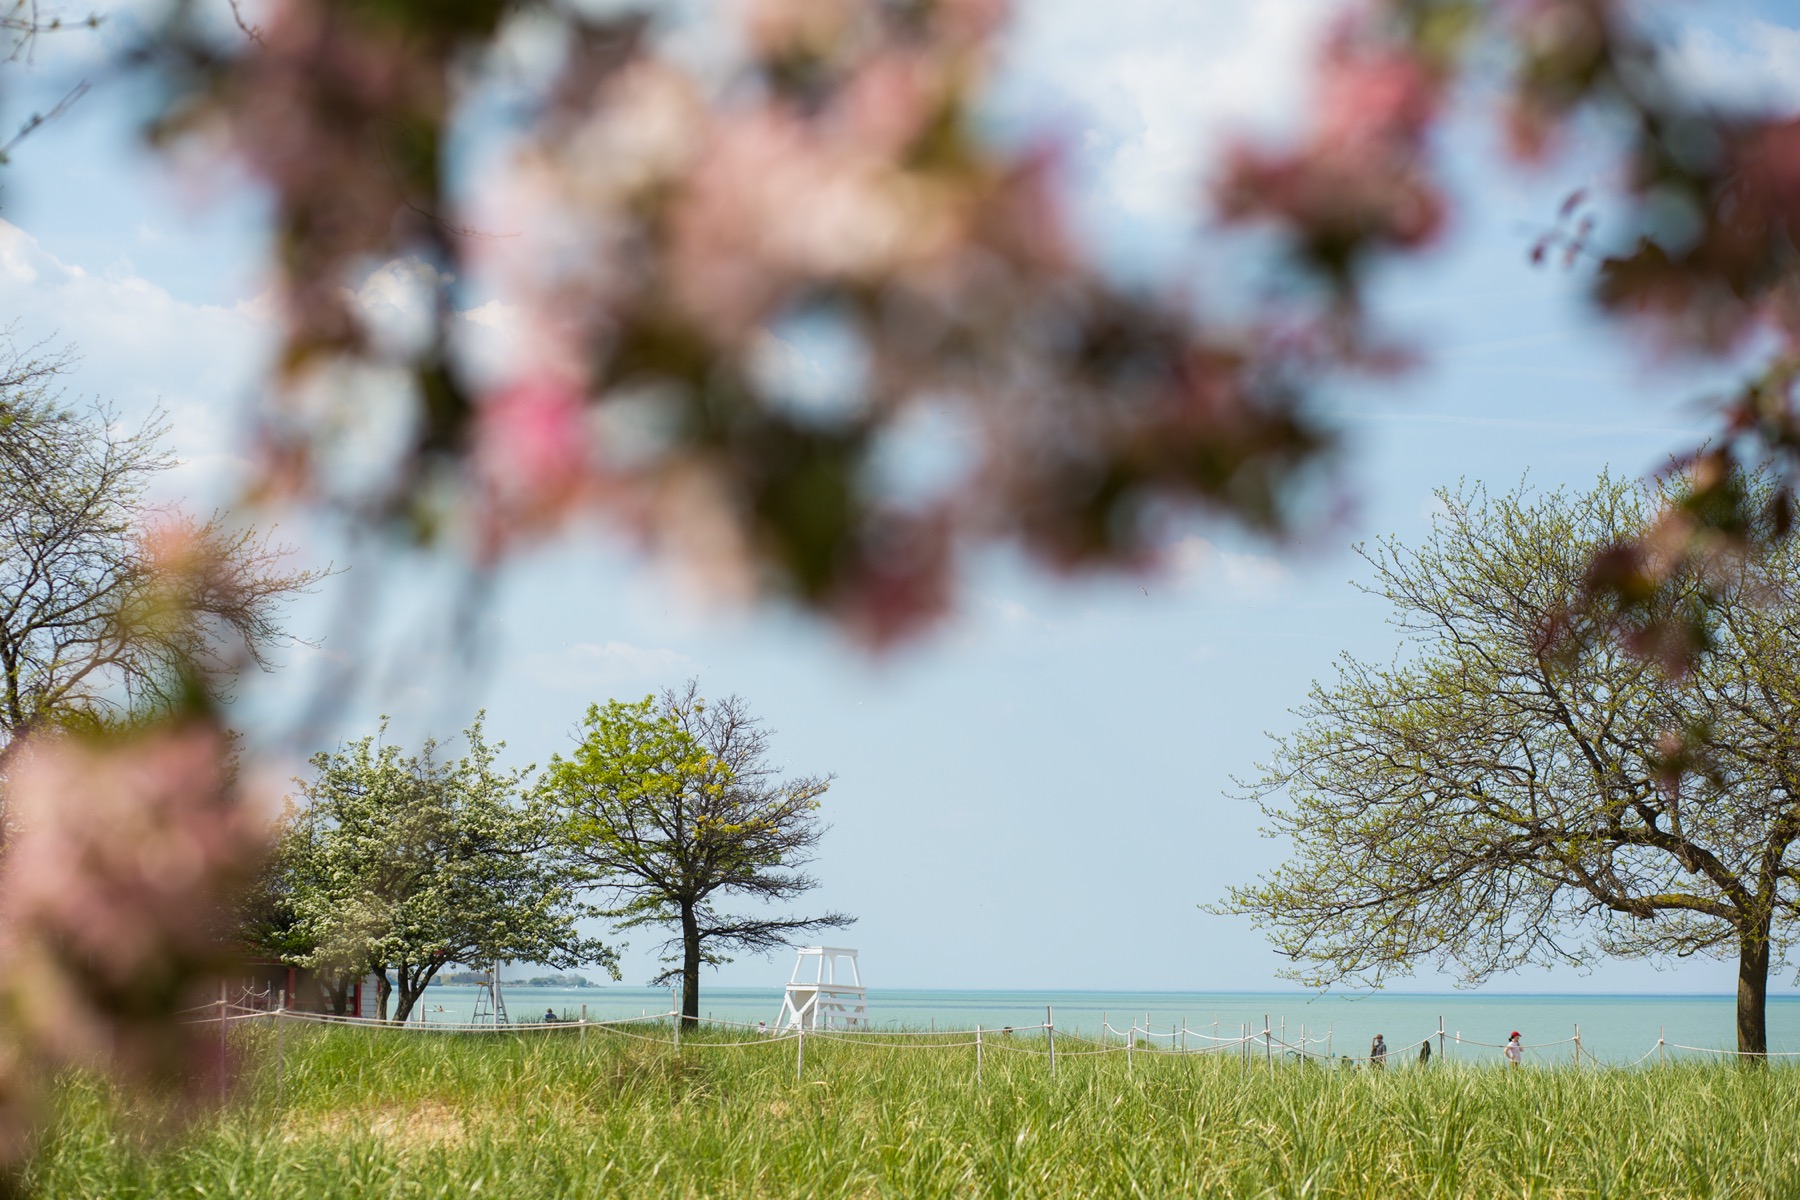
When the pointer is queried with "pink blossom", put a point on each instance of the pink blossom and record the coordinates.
(1361, 178)
(533, 444)
(1376, 100)
(901, 578)
(126, 855)
(775, 203)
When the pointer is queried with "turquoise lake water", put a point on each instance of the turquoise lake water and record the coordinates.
(1615, 1029)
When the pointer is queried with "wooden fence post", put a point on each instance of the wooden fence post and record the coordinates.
(978, 1055)
(280, 1040)
(222, 1048)
(1050, 1028)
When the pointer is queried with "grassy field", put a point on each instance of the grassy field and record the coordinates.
(382, 1114)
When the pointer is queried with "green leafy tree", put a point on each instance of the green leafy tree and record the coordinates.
(671, 804)
(403, 864)
(1519, 792)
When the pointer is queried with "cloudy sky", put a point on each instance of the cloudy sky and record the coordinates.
(1038, 795)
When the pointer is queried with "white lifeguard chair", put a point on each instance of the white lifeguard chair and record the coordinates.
(825, 992)
(490, 1002)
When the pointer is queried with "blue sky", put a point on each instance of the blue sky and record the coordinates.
(1036, 795)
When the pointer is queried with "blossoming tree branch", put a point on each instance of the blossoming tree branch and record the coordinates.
(654, 220)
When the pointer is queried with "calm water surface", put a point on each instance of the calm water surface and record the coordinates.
(1616, 1029)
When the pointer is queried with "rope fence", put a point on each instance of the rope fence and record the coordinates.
(1270, 1043)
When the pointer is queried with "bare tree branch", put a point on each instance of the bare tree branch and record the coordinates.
(112, 606)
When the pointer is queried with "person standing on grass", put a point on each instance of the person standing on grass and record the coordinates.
(1515, 1053)
(1425, 1052)
(1378, 1052)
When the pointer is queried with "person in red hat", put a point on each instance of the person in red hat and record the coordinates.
(1515, 1053)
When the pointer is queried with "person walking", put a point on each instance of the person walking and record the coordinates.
(1515, 1053)
(1378, 1052)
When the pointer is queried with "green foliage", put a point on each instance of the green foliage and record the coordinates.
(639, 794)
(668, 804)
(365, 1114)
(407, 863)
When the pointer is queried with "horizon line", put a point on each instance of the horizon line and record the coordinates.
(1308, 994)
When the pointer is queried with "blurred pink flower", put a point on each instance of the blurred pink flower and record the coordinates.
(901, 579)
(313, 111)
(126, 854)
(1379, 100)
(1361, 179)
(533, 446)
(776, 203)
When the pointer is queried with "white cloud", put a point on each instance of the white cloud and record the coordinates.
(599, 666)
(1752, 65)
(491, 340)
(1194, 563)
(140, 349)
(1158, 86)
(1010, 614)
(397, 300)
(1014, 613)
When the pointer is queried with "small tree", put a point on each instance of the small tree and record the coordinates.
(402, 865)
(671, 804)
(1510, 797)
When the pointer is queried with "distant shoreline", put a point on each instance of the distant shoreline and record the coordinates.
(520, 983)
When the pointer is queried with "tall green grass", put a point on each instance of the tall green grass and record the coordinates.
(371, 1113)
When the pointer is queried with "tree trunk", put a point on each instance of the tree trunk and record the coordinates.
(411, 987)
(413, 983)
(1753, 991)
(383, 989)
(690, 966)
(336, 989)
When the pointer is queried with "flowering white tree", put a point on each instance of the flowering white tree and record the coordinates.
(403, 864)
